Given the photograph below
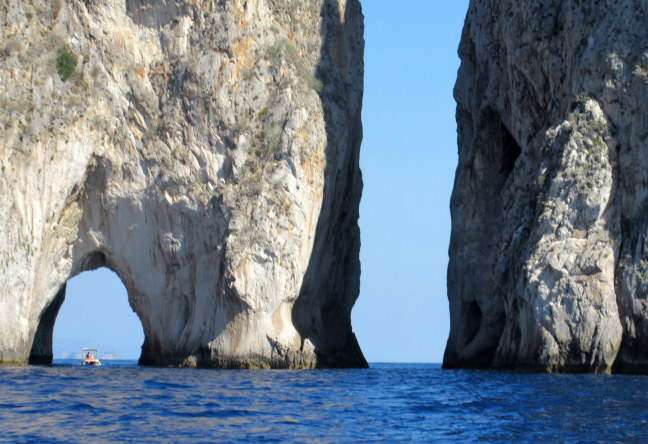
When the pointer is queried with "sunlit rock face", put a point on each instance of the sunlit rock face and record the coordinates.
(205, 151)
(549, 252)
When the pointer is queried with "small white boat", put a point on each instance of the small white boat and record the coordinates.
(90, 356)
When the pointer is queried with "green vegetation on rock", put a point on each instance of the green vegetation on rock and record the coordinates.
(66, 62)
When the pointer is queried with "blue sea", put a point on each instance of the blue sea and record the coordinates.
(121, 402)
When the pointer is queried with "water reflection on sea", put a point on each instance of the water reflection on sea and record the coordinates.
(390, 402)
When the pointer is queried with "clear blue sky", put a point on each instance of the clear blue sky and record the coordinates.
(408, 159)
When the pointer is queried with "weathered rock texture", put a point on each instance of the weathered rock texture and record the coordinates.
(549, 252)
(207, 152)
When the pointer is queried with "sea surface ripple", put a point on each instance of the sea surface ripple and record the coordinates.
(121, 402)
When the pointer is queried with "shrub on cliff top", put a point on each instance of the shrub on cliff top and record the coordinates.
(66, 62)
(581, 101)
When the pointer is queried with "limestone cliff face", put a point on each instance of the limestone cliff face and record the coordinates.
(207, 152)
(549, 252)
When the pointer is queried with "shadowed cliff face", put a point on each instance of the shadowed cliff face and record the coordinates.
(207, 152)
(548, 251)
(323, 310)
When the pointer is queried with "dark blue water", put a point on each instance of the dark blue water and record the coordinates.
(389, 403)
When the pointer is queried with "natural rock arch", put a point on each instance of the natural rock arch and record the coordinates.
(210, 159)
(42, 351)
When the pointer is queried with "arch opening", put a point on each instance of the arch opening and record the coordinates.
(91, 309)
